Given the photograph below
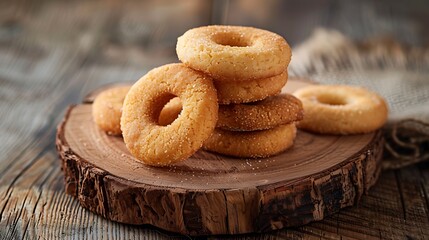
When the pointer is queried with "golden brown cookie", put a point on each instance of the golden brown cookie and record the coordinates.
(251, 90)
(268, 113)
(107, 109)
(339, 109)
(234, 53)
(159, 145)
(252, 144)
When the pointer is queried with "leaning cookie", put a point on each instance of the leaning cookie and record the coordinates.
(107, 109)
(253, 144)
(165, 145)
(339, 109)
(268, 113)
(251, 90)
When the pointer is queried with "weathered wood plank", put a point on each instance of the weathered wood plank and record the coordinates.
(53, 52)
(424, 183)
(380, 208)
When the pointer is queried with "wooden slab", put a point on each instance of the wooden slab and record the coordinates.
(215, 194)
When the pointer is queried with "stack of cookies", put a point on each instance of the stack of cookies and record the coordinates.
(249, 68)
(228, 99)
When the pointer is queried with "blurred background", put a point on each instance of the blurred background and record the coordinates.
(144, 33)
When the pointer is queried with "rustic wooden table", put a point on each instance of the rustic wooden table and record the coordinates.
(52, 53)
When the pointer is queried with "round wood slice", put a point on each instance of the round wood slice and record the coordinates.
(215, 194)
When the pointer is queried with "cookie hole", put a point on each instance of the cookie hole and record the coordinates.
(334, 100)
(251, 103)
(170, 112)
(231, 39)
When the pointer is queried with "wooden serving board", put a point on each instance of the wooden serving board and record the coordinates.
(214, 194)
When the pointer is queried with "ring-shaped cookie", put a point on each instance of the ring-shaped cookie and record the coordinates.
(253, 144)
(268, 113)
(249, 91)
(107, 109)
(339, 109)
(234, 53)
(159, 145)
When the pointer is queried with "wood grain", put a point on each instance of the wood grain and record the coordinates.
(52, 53)
(213, 194)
